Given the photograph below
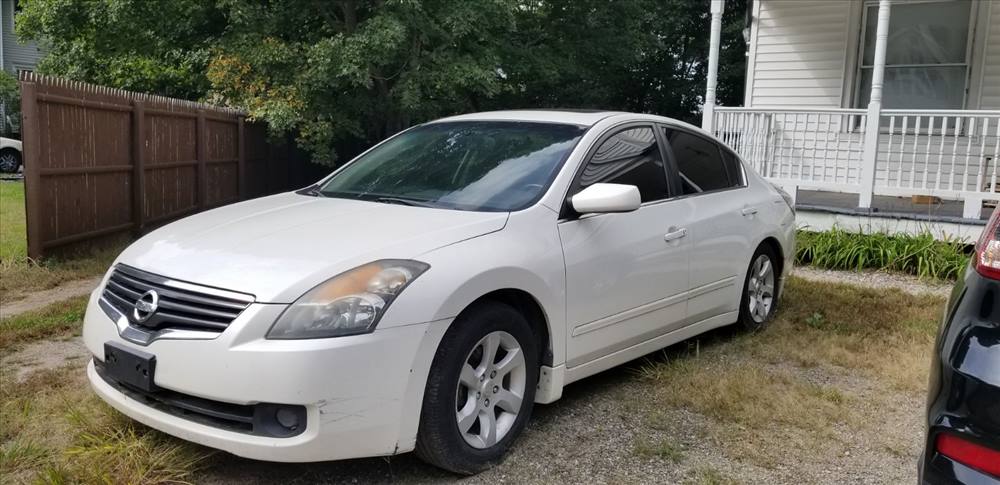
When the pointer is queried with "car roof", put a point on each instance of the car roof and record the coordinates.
(580, 117)
(571, 116)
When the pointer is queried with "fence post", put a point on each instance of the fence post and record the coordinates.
(30, 135)
(201, 148)
(138, 166)
(242, 156)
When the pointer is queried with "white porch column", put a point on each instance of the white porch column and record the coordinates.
(870, 154)
(708, 111)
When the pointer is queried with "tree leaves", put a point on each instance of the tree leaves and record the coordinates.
(344, 74)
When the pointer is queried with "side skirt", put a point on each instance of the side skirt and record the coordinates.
(578, 372)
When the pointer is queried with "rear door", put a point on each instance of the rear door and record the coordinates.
(626, 274)
(722, 221)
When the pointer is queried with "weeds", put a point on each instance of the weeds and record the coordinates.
(709, 476)
(58, 319)
(767, 391)
(921, 255)
(663, 449)
(815, 320)
(55, 430)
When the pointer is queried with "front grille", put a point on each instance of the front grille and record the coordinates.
(262, 419)
(181, 305)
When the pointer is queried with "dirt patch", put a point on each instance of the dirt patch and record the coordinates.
(877, 280)
(40, 299)
(591, 436)
(44, 355)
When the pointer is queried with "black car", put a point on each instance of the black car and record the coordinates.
(963, 404)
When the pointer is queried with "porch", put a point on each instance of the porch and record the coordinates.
(816, 123)
(949, 158)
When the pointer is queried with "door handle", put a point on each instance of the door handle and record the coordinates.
(748, 211)
(675, 234)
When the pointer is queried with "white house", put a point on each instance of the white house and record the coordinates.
(15, 56)
(819, 70)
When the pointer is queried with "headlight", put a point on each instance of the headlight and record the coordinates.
(349, 303)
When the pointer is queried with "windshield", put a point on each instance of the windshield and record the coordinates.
(468, 165)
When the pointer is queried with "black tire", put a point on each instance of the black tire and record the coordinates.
(10, 160)
(439, 440)
(747, 318)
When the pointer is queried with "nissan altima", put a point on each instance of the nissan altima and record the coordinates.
(427, 294)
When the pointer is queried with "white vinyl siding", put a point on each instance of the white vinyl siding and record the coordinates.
(15, 55)
(990, 97)
(798, 51)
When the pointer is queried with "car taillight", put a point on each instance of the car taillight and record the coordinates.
(987, 257)
(969, 454)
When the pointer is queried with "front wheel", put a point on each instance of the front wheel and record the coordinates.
(760, 290)
(480, 390)
(10, 160)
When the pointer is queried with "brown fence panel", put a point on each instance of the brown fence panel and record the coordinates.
(100, 161)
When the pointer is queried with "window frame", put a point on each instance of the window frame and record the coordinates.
(859, 56)
(674, 170)
(568, 213)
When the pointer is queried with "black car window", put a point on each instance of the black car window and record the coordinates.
(733, 168)
(699, 162)
(630, 157)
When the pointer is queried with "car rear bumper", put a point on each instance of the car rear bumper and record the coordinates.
(964, 387)
(361, 394)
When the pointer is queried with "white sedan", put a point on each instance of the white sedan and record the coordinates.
(427, 294)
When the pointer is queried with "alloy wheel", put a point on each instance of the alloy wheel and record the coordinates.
(491, 387)
(760, 289)
(8, 162)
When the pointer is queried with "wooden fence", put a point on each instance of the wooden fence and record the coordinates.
(100, 161)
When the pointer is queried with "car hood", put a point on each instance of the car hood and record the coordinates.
(279, 247)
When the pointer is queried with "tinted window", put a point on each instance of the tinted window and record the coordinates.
(733, 168)
(699, 162)
(470, 165)
(629, 157)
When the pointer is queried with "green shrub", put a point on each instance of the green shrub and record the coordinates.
(921, 255)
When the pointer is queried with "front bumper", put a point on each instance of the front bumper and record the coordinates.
(964, 387)
(362, 393)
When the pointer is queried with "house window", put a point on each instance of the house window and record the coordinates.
(927, 56)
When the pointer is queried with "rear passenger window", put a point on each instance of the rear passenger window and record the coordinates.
(733, 168)
(629, 157)
(700, 163)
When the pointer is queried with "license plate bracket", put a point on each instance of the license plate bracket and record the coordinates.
(130, 366)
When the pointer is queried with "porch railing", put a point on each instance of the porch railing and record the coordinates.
(948, 154)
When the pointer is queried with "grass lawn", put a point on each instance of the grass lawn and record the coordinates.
(13, 239)
(818, 373)
(822, 377)
(19, 275)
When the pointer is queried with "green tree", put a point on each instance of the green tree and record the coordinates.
(359, 70)
(159, 46)
(342, 74)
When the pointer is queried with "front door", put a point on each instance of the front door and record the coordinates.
(626, 274)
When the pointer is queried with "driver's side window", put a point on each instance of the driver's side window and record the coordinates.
(630, 157)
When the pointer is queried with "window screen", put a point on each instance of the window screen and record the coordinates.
(926, 59)
(699, 162)
(629, 157)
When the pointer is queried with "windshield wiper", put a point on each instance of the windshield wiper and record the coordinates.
(402, 201)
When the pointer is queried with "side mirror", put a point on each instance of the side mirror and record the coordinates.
(604, 198)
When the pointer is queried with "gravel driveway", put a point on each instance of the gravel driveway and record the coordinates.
(592, 434)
